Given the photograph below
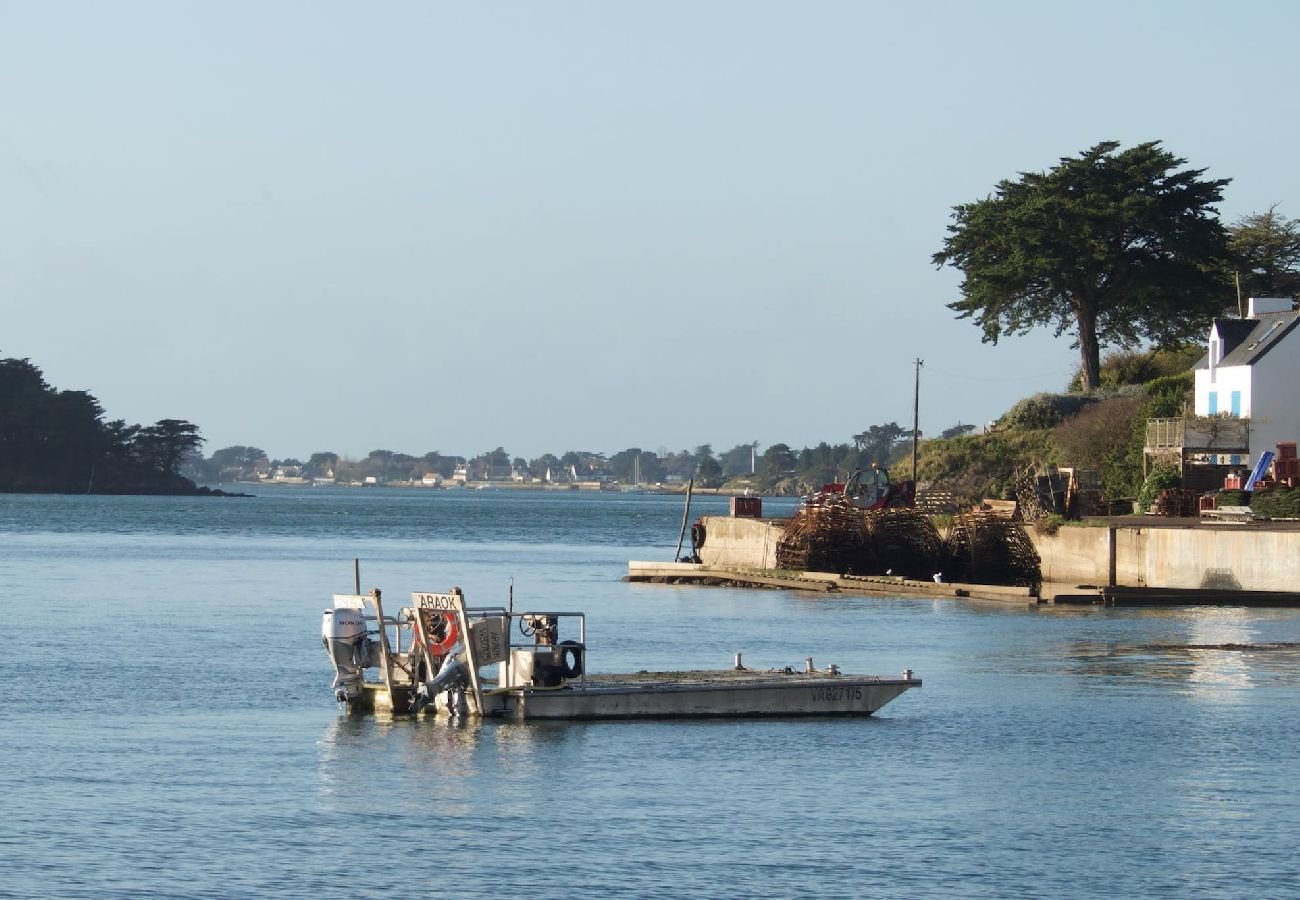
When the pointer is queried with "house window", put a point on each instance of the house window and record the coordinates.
(1214, 403)
(1236, 403)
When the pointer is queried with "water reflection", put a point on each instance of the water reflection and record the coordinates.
(1216, 668)
(437, 764)
(1214, 654)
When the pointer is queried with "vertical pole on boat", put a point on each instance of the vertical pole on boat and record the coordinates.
(686, 514)
(471, 660)
(420, 645)
(510, 618)
(385, 652)
(356, 574)
(916, 416)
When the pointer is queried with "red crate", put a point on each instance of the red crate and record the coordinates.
(1286, 450)
(747, 507)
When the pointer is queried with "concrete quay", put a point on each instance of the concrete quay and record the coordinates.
(820, 582)
(1122, 561)
(1260, 556)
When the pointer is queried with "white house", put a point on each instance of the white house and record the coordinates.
(1252, 370)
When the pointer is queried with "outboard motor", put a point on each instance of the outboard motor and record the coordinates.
(452, 676)
(343, 632)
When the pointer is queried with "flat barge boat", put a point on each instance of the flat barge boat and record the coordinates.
(430, 658)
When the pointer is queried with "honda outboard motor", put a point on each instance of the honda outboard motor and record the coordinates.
(343, 632)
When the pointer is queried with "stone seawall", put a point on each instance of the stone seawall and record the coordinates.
(1223, 558)
(741, 543)
(1227, 558)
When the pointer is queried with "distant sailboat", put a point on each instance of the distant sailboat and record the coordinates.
(635, 486)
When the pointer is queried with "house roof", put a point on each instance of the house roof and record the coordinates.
(1246, 340)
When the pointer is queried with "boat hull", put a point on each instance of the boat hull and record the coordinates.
(778, 696)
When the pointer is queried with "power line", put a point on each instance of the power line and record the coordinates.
(929, 368)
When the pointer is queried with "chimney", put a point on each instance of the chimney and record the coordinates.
(1257, 305)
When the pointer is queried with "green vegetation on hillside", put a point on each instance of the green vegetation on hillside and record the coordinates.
(1101, 430)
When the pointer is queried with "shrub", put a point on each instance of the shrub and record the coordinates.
(1277, 503)
(1121, 367)
(1043, 411)
(1170, 395)
(1157, 480)
(1049, 524)
(1108, 437)
(1127, 367)
(978, 466)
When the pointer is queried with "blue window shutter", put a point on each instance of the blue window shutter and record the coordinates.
(1214, 402)
(1236, 403)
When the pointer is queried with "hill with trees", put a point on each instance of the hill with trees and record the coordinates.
(1102, 430)
(54, 441)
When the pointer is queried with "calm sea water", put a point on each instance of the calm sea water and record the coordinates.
(167, 727)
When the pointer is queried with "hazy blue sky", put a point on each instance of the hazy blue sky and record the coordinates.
(571, 225)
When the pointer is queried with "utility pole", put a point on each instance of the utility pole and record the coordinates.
(916, 415)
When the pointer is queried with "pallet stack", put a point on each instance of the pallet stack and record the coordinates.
(1286, 468)
(1177, 502)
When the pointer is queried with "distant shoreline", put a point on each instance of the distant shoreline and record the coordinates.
(670, 490)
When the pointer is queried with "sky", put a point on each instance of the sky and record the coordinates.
(551, 226)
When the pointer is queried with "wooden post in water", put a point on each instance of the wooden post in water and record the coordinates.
(686, 514)
(1112, 575)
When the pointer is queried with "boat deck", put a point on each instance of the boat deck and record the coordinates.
(703, 693)
(719, 676)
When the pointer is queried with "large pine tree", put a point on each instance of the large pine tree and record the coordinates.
(1117, 245)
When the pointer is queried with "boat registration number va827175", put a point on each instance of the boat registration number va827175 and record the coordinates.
(836, 693)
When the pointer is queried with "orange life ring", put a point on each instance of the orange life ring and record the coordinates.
(429, 627)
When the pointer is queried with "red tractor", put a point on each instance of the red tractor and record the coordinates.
(872, 489)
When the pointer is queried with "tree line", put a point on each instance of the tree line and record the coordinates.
(59, 441)
(779, 468)
(54, 441)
